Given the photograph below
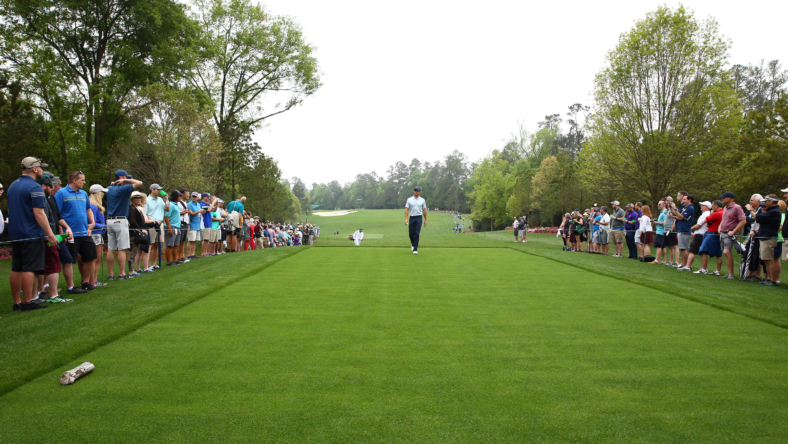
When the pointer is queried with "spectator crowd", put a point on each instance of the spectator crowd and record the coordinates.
(52, 227)
(678, 234)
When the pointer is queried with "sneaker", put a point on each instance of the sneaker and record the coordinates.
(747, 279)
(99, 284)
(156, 267)
(76, 290)
(676, 265)
(38, 301)
(730, 276)
(59, 300)
(111, 278)
(31, 306)
(44, 296)
(668, 264)
(684, 268)
(769, 283)
(147, 271)
(133, 274)
(411, 248)
(87, 286)
(415, 251)
(125, 277)
(183, 261)
(715, 273)
(17, 307)
(170, 263)
(702, 271)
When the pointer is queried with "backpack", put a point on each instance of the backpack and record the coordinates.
(234, 220)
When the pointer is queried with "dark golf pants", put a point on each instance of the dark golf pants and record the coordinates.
(414, 228)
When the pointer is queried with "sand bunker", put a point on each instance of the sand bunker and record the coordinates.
(332, 213)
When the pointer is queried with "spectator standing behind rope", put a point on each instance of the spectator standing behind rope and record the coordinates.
(617, 228)
(154, 208)
(28, 227)
(644, 232)
(699, 230)
(604, 230)
(733, 221)
(99, 229)
(74, 207)
(711, 246)
(172, 224)
(685, 216)
(659, 233)
(754, 267)
(118, 195)
(630, 228)
(768, 219)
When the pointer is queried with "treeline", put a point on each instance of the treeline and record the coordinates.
(668, 114)
(169, 93)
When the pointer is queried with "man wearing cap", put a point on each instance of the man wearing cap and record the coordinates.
(733, 220)
(415, 213)
(154, 208)
(617, 228)
(768, 218)
(53, 265)
(172, 225)
(208, 205)
(74, 207)
(28, 228)
(195, 213)
(698, 233)
(358, 236)
(118, 196)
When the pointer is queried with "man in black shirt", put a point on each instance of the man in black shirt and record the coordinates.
(768, 218)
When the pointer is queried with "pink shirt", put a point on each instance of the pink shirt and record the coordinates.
(731, 216)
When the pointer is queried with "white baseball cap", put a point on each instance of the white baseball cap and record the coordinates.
(97, 189)
(615, 202)
(706, 204)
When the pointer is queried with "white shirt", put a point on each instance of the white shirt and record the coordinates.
(702, 223)
(515, 224)
(645, 224)
(358, 235)
(2, 222)
(416, 205)
(605, 218)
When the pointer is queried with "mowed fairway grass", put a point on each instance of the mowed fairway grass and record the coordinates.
(373, 344)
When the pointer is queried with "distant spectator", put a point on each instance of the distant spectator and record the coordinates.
(99, 229)
(698, 232)
(154, 209)
(752, 226)
(768, 219)
(172, 225)
(733, 220)
(604, 231)
(630, 228)
(118, 195)
(659, 234)
(711, 246)
(74, 207)
(617, 228)
(685, 217)
(645, 232)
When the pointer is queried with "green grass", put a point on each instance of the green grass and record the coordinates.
(520, 343)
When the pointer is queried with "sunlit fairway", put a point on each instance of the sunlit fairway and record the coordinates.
(493, 342)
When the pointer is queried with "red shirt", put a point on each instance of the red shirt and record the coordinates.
(713, 220)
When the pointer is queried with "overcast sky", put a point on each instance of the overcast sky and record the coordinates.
(422, 78)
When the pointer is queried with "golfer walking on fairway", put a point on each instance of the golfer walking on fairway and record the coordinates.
(415, 212)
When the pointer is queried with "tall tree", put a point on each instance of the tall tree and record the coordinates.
(253, 65)
(104, 50)
(667, 117)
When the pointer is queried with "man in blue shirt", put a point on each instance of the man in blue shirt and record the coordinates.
(28, 227)
(74, 207)
(196, 212)
(685, 216)
(172, 226)
(208, 205)
(154, 208)
(118, 195)
(235, 222)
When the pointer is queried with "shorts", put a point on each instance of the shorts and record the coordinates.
(726, 242)
(174, 240)
(595, 237)
(98, 239)
(778, 250)
(118, 234)
(659, 241)
(684, 241)
(224, 234)
(711, 245)
(785, 250)
(65, 255)
(28, 257)
(767, 249)
(184, 236)
(617, 236)
(194, 235)
(604, 236)
(82, 246)
(697, 240)
(206, 234)
(215, 236)
(671, 240)
(154, 235)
